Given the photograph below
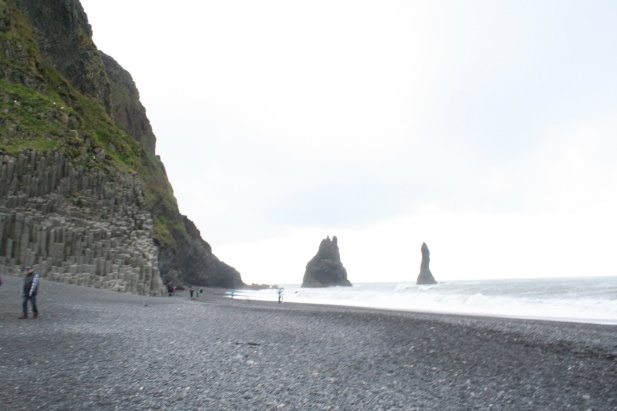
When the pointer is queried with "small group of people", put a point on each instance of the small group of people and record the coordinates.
(171, 290)
(195, 293)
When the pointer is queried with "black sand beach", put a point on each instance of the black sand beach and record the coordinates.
(95, 349)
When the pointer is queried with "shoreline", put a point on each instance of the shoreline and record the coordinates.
(564, 320)
(522, 306)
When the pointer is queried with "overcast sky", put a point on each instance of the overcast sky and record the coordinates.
(487, 129)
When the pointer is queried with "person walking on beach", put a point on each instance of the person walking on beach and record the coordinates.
(31, 286)
(280, 294)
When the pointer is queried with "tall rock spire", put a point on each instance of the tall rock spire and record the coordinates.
(425, 276)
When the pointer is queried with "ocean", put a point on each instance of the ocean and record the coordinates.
(588, 300)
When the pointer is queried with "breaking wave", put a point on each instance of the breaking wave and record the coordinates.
(590, 300)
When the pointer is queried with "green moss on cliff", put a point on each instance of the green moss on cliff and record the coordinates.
(160, 199)
(166, 231)
(122, 150)
(44, 122)
(30, 120)
(17, 41)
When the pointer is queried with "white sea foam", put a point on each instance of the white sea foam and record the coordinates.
(591, 300)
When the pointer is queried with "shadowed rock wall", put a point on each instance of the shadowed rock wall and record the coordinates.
(65, 42)
(127, 110)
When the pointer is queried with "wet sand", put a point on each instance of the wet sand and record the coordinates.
(96, 349)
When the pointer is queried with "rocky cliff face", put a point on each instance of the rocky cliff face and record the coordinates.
(64, 39)
(126, 109)
(82, 193)
(78, 225)
(425, 276)
(326, 269)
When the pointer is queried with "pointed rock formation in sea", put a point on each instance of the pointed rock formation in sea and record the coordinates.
(326, 269)
(425, 276)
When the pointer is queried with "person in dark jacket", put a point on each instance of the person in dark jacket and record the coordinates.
(31, 285)
(280, 294)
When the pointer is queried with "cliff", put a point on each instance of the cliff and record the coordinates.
(325, 268)
(82, 193)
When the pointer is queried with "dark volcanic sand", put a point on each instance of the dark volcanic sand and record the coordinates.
(94, 349)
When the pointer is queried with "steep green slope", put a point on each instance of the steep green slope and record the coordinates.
(59, 94)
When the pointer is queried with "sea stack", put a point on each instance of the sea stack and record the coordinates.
(425, 276)
(326, 269)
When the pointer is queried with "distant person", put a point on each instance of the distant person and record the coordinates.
(191, 291)
(280, 293)
(170, 289)
(31, 286)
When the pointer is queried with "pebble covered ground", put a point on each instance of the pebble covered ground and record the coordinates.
(92, 349)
